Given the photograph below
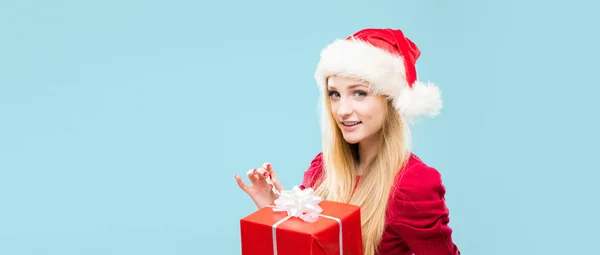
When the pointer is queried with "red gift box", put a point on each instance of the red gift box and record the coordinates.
(337, 231)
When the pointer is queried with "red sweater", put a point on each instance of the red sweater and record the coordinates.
(417, 216)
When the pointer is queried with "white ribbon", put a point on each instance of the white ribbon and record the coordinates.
(303, 204)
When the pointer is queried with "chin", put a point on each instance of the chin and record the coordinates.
(352, 139)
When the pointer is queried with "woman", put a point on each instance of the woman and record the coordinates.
(370, 92)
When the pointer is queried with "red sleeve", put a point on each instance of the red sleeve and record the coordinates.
(419, 213)
(313, 172)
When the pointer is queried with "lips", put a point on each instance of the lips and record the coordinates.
(351, 123)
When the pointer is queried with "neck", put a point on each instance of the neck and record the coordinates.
(367, 150)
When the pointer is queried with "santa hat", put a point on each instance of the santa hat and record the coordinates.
(385, 58)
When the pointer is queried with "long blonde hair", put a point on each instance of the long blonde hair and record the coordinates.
(339, 178)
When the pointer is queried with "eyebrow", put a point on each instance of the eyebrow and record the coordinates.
(350, 87)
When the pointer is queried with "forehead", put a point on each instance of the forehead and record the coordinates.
(340, 82)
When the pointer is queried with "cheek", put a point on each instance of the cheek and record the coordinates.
(375, 114)
(332, 107)
(373, 110)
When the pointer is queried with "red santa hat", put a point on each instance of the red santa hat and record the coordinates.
(385, 58)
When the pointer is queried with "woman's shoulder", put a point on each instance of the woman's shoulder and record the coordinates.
(416, 168)
(315, 168)
(419, 182)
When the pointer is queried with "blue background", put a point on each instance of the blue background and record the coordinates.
(122, 123)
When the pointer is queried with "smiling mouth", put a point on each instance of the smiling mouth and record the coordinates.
(351, 123)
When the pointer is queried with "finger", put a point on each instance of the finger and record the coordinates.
(252, 175)
(269, 168)
(256, 175)
(262, 173)
(274, 179)
(241, 183)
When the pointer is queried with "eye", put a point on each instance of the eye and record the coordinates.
(360, 93)
(334, 94)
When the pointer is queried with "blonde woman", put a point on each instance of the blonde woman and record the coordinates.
(370, 92)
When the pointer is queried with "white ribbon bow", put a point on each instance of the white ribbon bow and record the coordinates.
(303, 204)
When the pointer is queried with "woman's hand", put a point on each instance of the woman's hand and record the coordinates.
(261, 192)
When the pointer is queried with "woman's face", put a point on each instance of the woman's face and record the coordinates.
(358, 112)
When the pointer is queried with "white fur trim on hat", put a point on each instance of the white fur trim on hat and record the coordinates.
(384, 71)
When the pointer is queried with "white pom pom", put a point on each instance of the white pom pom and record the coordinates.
(422, 100)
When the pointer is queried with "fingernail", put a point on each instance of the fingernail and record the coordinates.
(254, 170)
(266, 173)
(302, 187)
(269, 166)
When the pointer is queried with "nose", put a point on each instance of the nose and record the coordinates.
(344, 108)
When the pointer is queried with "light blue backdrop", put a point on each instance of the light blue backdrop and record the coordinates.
(122, 123)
